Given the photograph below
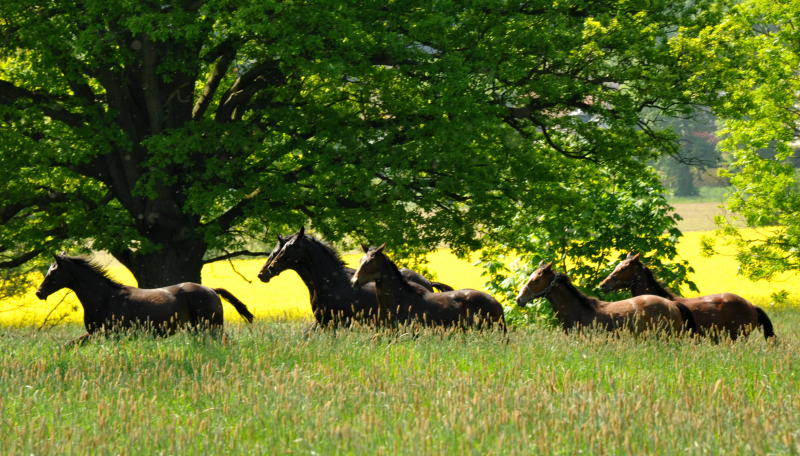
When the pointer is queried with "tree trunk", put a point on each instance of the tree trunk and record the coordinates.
(174, 263)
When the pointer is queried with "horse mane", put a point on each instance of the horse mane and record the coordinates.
(96, 267)
(396, 270)
(660, 290)
(337, 257)
(586, 301)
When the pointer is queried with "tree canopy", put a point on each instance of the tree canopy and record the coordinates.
(170, 134)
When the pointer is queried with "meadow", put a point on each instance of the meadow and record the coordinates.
(272, 388)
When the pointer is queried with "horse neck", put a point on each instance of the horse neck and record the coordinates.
(389, 289)
(568, 306)
(647, 284)
(91, 288)
(324, 269)
(305, 276)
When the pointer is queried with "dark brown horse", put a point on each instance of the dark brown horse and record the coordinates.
(576, 310)
(725, 312)
(328, 279)
(109, 305)
(265, 274)
(402, 301)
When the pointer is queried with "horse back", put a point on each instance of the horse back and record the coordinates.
(159, 307)
(646, 310)
(723, 311)
(475, 303)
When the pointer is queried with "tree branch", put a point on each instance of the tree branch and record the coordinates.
(10, 94)
(152, 96)
(22, 259)
(261, 76)
(234, 255)
(212, 84)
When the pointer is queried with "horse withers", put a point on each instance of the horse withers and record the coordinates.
(109, 306)
(576, 310)
(724, 313)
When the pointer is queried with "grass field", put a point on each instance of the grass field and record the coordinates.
(273, 391)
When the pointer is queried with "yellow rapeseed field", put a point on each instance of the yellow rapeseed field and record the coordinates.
(285, 297)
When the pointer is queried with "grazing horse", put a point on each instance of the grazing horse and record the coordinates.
(725, 312)
(576, 310)
(328, 279)
(403, 301)
(109, 305)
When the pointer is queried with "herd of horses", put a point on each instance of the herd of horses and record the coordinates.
(381, 294)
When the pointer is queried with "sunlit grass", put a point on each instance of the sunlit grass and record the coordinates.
(286, 297)
(272, 390)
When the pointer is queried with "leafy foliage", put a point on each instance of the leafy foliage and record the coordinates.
(618, 213)
(756, 51)
(164, 132)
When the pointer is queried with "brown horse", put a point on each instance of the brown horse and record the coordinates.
(725, 312)
(322, 269)
(109, 305)
(402, 301)
(576, 310)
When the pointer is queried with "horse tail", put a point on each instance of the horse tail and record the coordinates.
(441, 287)
(765, 323)
(688, 317)
(238, 305)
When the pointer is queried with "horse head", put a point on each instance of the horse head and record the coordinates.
(288, 256)
(624, 275)
(538, 284)
(57, 277)
(264, 274)
(369, 268)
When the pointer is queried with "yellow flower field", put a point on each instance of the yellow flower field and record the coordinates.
(285, 297)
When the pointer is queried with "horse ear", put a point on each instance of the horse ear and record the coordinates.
(542, 264)
(54, 256)
(364, 248)
(301, 233)
(281, 239)
(636, 257)
(549, 266)
(380, 249)
(630, 255)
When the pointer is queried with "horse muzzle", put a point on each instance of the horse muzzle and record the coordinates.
(606, 287)
(264, 276)
(521, 301)
(355, 284)
(41, 294)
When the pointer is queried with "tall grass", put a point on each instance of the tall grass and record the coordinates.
(273, 390)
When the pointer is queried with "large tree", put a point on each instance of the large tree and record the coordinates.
(161, 132)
